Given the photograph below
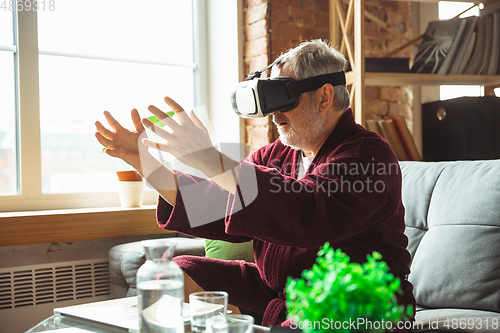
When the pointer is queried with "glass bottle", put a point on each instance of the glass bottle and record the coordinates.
(160, 287)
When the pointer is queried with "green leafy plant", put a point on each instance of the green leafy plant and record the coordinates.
(336, 295)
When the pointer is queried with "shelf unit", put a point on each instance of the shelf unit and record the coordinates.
(352, 21)
(406, 79)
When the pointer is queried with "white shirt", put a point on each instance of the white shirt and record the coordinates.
(305, 162)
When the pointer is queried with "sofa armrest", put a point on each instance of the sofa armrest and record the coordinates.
(125, 260)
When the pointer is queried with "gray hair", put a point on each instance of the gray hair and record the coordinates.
(314, 58)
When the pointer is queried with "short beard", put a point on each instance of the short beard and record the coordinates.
(306, 128)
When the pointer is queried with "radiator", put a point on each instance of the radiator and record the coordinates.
(29, 293)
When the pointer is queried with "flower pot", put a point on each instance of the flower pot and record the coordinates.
(130, 188)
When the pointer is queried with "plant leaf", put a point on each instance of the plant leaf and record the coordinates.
(342, 291)
(157, 121)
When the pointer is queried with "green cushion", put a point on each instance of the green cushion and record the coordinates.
(229, 251)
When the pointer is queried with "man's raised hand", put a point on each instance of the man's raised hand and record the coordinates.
(187, 140)
(121, 142)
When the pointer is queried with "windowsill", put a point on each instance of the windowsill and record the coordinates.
(67, 225)
(73, 211)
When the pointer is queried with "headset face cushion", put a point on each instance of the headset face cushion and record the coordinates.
(277, 95)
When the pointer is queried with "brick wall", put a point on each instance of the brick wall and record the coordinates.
(293, 21)
(257, 55)
(388, 101)
(273, 26)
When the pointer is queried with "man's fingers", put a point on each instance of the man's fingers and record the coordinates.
(136, 119)
(112, 121)
(157, 112)
(103, 141)
(164, 117)
(198, 122)
(179, 111)
(112, 153)
(173, 104)
(156, 129)
(155, 145)
(104, 131)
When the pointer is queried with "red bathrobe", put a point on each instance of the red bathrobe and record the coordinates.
(350, 196)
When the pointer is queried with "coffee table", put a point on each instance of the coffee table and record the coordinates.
(110, 316)
(57, 322)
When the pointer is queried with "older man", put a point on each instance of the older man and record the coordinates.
(326, 179)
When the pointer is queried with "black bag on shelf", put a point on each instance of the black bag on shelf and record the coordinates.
(464, 128)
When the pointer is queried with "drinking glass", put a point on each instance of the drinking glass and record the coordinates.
(204, 305)
(232, 323)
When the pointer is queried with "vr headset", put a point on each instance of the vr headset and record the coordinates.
(257, 97)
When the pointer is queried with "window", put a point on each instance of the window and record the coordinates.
(448, 10)
(8, 145)
(79, 59)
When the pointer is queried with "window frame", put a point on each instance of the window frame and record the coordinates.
(219, 73)
(29, 180)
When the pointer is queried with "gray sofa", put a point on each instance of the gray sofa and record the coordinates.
(453, 226)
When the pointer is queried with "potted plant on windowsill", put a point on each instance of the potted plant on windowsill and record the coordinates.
(130, 182)
(334, 292)
(130, 188)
